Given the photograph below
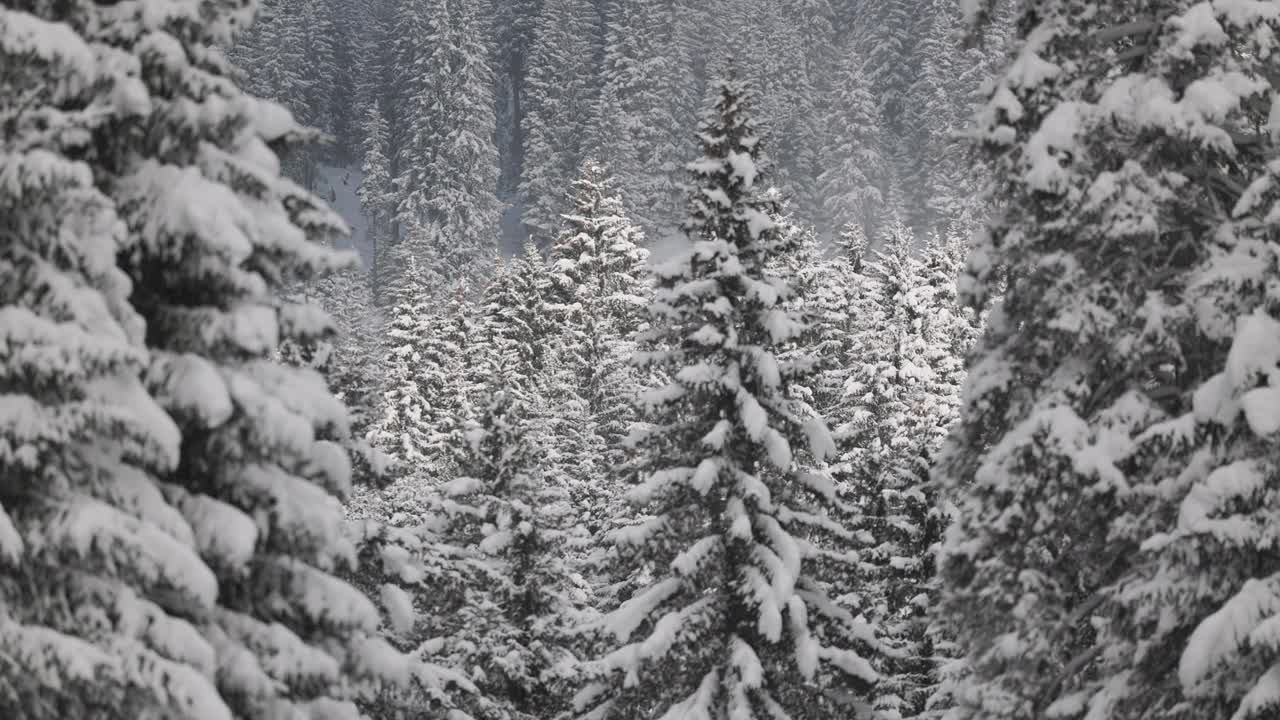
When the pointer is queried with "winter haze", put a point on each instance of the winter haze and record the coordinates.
(639, 360)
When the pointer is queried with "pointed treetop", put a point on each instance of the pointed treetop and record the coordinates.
(852, 243)
(724, 178)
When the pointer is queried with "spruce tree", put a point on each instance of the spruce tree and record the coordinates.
(376, 192)
(647, 109)
(448, 166)
(405, 428)
(514, 321)
(596, 297)
(171, 499)
(559, 96)
(854, 169)
(1109, 557)
(735, 619)
(886, 38)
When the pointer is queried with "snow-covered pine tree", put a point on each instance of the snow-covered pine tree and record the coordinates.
(559, 96)
(648, 109)
(512, 29)
(448, 166)
(511, 634)
(838, 308)
(885, 37)
(822, 51)
(405, 429)
(442, 375)
(1113, 554)
(514, 321)
(735, 620)
(343, 110)
(598, 285)
(319, 65)
(852, 167)
(596, 298)
(171, 516)
(376, 191)
(351, 359)
(900, 398)
(941, 101)
(272, 56)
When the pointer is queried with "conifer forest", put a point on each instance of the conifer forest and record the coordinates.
(640, 359)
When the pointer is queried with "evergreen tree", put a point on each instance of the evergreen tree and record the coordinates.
(351, 358)
(171, 516)
(501, 509)
(849, 184)
(735, 620)
(900, 399)
(449, 166)
(514, 323)
(376, 192)
(375, 45)
(344, 107)
(647, 108)
(559, 97)
(405, 429)
(1107, 556)
(886, 36)
(597, 293)
(513, 26)
(319, 62)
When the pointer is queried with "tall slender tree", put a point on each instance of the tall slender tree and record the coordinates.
(559, 97)
(448, 179)
(736, 620)
(171, 494)
(1110, 446)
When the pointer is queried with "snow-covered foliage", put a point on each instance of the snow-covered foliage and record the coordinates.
(1112, 554)
(736, 620)
(171, 514)
(376, 191)
(848, 186)
(448, 164)
(557, 100)
(599, 292)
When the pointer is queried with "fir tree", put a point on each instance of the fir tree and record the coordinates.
(514, 321)
(886, 37)
(449, 165)
(853, 169)
(407, 427)
(1107, 557)
(559, 96)
(647, 109)
(734, 622)
(597, 293)
(501, 509)
(171, 516)
(376, 192)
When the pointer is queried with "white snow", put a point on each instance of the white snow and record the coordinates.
(624, 621)
(744, 168)
(688, 562)
(704, 477)
(778, 448)
(1263, 697)
(1219, 636)
(1262, 410)
(399, 607)
(752, 415)
(11, 546)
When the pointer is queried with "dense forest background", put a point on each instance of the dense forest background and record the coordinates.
(523, 171)
(699, 361)
(479, 115)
